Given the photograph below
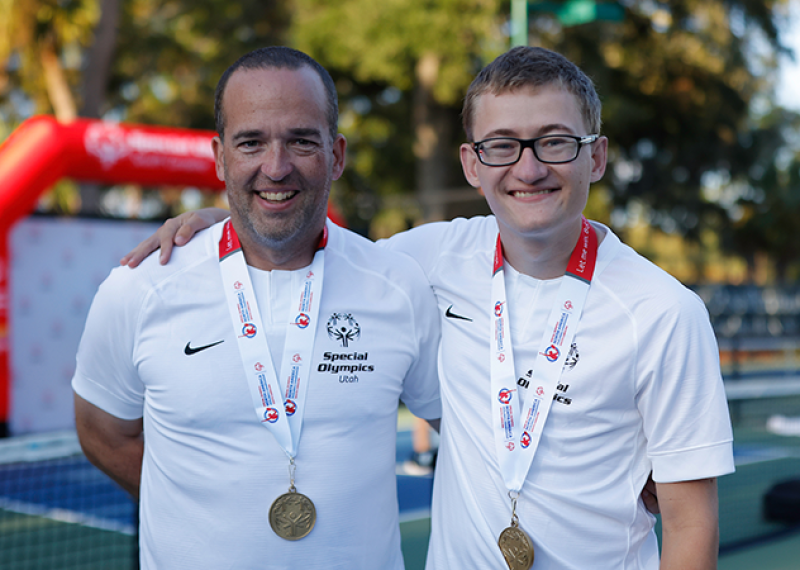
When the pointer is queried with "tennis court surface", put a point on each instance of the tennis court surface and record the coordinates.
(57, 512)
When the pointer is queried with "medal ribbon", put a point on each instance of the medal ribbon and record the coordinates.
(518, 426)
(279, 410)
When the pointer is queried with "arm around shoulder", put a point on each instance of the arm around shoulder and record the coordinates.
(113, 445)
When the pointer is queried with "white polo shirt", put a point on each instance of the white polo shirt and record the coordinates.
(211, 470)
(641, 391)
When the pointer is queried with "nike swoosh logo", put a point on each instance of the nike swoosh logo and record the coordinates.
(451, 315)
(188, 351)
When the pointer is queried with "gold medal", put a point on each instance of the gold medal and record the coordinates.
(516, 547)
(292, 515)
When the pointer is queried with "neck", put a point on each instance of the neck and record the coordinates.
(269, 260)
(541, 256)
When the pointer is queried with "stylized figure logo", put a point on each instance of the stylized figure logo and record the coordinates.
(344, 328)
(291, 407)
(249, 330)
(498, 308)
(525, 440)
(552, 353)
(504, 396)
(271, 415)
(302, 320)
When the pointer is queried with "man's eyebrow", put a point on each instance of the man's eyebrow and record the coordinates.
(306, 132)
(295, 132)
(546, 129)
(252, 134)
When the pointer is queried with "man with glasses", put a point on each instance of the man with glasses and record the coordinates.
(570, 367)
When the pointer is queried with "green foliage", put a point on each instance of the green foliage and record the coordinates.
(679, 82)
(171, 53)
(384, 41)
(27, 27)
(766, 206)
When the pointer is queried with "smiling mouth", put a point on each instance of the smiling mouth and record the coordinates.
(524, 194)
(281, 196)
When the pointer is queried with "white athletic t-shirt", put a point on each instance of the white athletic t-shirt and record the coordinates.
(211, 470)
(641, 391)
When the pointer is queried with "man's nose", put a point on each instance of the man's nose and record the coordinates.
(529, 168)
(276, 164)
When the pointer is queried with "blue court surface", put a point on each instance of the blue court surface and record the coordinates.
(72, 490)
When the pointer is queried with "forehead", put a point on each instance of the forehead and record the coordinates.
(527, 112)
(275, 95)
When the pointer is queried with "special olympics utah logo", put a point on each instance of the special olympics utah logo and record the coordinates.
(344, 328)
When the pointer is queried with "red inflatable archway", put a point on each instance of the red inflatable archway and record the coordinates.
(42, 151)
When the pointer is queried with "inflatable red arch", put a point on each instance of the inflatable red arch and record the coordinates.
(42, 151)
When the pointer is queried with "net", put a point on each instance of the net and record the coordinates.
(57, 511)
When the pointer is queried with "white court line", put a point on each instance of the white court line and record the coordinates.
(416, 515)
(66, 516)
(756, 454)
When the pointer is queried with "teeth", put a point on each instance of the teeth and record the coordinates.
(276, 196)
(522, 194)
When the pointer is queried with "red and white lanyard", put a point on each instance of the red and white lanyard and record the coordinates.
(279, 408)
(518, 425)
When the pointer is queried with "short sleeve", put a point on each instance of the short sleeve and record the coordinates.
(105, 374)
(681, 396)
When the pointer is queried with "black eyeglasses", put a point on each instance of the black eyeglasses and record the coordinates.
(550, 149)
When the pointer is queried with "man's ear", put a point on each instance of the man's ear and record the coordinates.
(599, 158)
(339, 155)
(469, 164)
(219, 157)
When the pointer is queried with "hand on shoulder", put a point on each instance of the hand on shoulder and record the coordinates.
(175, 231)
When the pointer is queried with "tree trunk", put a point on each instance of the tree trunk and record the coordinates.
(98, 60)
(95, 84)
(433, 130)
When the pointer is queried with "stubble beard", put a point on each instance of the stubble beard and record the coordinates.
(280, 231)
